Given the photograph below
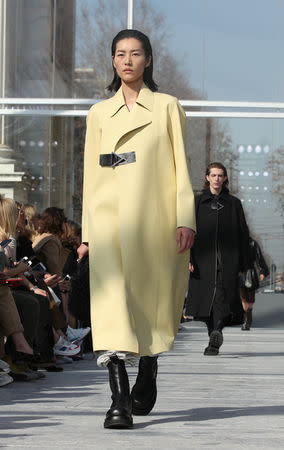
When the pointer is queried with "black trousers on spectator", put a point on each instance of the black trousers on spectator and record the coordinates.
(36, 318)
(29, 311)
(44, 337)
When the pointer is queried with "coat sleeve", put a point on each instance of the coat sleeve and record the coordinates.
(245, 258)
(91, 158)
(260, 261)
(184, 192)
(49, 254)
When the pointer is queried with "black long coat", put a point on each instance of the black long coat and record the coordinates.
(257, 258)
(220, 224)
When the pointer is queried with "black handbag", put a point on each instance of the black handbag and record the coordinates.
(249, 279)
(79, 295)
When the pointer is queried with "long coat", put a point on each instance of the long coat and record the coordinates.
(130, 216)
(49, 250)
(222, 227)
(257, 258)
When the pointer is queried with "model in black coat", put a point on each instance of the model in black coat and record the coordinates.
(219, 253)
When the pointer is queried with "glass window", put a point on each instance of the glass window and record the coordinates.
(228, 50)
(203, 50)
(42, 162)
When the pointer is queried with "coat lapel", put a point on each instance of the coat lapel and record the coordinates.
(122, 122)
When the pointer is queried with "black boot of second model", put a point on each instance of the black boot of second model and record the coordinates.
(144, 392)
(119, 414)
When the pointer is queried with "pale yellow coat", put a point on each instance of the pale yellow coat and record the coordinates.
(130, 215)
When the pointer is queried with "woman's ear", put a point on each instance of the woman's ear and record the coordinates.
(148, 61)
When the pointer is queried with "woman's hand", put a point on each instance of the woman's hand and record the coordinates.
(82, 251)
(51, 280)
(190, 267)
(22, 267)
(185, 238)
(19, 269)
(64, 286)
(39, 291)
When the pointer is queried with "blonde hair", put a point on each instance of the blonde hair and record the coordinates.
(30, 214)
(8, 217)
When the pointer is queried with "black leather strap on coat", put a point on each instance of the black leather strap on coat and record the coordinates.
(114, 159)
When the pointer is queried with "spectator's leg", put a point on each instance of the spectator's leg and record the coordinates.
(28, 308)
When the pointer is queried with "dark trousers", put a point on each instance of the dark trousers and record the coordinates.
(44, 337)
(36, 318)
(220, 310)
(29, 311)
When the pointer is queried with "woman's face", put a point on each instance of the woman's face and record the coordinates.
(130, 60)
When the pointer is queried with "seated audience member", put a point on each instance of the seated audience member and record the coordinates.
(71, 240)
(49, 250)
(28, 305)
(32, 220)
(25, 231)
(18, 353)
(32, 302)
(47, 244)
(79, 296)
(21, 353)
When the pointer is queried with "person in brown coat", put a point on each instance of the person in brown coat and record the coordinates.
(47, 244)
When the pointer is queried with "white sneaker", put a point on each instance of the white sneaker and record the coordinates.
(5, 379)
(77, 334)
(65, 348)
(4, 367)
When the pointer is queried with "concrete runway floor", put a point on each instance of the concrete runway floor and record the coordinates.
(231, 401)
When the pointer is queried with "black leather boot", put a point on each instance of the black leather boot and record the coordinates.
(209, 326)
(119, 414)
(144, 392)
(247, 320)
(249, 317)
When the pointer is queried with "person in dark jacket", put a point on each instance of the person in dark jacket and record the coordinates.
(219, 254)
(248, 294)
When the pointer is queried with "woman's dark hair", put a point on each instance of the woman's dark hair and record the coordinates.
(52, 221)
(148, 72)
(71, 234)
(216, 165)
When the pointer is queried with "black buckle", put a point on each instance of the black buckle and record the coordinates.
(111, 160)
(117, 159)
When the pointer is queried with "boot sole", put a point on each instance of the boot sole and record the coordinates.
(216, 339)
(211, 351)
(118, 422)
(215, 342)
